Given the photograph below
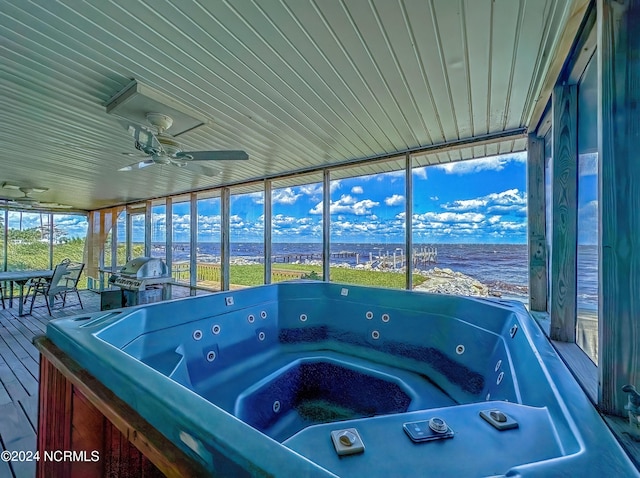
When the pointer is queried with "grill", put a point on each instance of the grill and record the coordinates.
(143, 280)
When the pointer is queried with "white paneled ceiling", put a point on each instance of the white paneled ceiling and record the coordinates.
(298, 84)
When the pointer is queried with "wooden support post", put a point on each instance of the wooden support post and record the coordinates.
(408, 224)
(564, 213)
(225, 240)
(193, 242)
(536, 217)
(168, 235)
(619, 206)
(129, 235)
(51, 236)
(326, 226)
(114, 238)
(147, 229)
(268, 212)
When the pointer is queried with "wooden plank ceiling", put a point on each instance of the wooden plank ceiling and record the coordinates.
(298, 84)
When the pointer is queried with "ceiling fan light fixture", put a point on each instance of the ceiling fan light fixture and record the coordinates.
(170, 145)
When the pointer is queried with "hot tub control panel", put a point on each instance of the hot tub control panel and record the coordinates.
(425, 437)
(428, 430)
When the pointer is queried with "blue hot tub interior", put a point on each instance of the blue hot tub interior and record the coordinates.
(310, 391)
(295, 361)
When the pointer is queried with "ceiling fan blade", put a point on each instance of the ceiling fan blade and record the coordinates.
(55, 205)
(145, 139)
(15, 187)
(138, 154)
(212, 155)
(138, 165)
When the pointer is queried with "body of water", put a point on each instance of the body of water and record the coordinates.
(503, 267)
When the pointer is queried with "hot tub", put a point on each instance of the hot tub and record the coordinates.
(269, 380)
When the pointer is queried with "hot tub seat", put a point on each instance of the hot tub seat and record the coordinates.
(328, 388)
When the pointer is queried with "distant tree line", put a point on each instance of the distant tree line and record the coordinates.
(38, 234)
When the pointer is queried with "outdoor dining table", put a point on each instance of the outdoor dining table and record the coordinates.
(21, 278)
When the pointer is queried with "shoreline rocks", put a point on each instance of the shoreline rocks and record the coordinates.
(446, 281)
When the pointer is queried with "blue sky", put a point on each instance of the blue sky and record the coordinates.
(476, 201)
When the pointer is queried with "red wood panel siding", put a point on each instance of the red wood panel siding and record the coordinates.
(77, 413)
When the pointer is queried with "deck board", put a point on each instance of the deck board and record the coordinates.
(20, 345)
(19, 376)
(30, 408)
(4, 394)
(11, 382)
(17, 359)
(18, 435)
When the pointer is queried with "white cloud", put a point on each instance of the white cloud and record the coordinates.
(360, 208)
(285, 196)
(449, 217)
(434, 198)
(257, 198)
(492, 163)
(512, 200)
(235, 219)
(588, 164)
(357, 190)
(180, 220)
(511, 226)
(208, 224)
(395, 200)
(420, 172)
(589, 209)
(335, 185)
(317, 209)
(347, 205)
(280, 220)
(345, 199)
(313, 190)
(465, 204)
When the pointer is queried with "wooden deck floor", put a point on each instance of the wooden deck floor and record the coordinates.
(19, 370)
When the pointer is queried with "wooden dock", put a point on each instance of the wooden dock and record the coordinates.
(421, 256)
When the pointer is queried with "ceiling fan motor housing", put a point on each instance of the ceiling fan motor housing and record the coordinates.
(159, 121)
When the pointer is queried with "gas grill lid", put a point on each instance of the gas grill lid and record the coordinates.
(145, 268)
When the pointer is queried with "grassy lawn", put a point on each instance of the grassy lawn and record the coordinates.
(35, 255)
(252, 274)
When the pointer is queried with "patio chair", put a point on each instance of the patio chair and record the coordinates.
(31, 283)
(72, 277)
(57, 286)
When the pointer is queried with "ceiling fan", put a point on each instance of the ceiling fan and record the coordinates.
(162, 148)
(28, 202)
